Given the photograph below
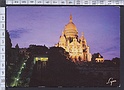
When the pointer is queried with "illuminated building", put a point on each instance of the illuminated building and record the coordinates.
(40, 61)
(77, 47)
(99, 59)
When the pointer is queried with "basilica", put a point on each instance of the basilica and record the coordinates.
(77, 47)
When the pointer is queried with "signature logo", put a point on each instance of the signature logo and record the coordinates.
(111, 81)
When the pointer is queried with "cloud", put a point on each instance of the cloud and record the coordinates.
(110, 49)
(112, 52)
(17, 33)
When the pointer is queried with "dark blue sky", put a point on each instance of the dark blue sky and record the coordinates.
(44, 24)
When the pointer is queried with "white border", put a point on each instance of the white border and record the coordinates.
(2, 48)
(65, 2)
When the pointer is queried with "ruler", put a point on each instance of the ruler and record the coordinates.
(2, 48)
(65, 2)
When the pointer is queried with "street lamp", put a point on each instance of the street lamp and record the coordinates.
(19, 72)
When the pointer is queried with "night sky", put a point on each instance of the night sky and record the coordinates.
(43, 25)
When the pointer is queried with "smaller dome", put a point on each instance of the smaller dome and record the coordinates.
(62, 38)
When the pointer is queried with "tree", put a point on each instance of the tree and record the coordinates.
(116, 61)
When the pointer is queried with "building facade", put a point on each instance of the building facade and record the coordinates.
(97, 57)
(77, 47)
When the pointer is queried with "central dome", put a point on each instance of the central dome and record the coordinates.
(70, 29)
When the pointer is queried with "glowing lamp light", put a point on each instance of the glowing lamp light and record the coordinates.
(36, 58)
(19, 72)
(44, 59)
(41, 58)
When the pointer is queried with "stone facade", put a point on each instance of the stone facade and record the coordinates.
(77, 47)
